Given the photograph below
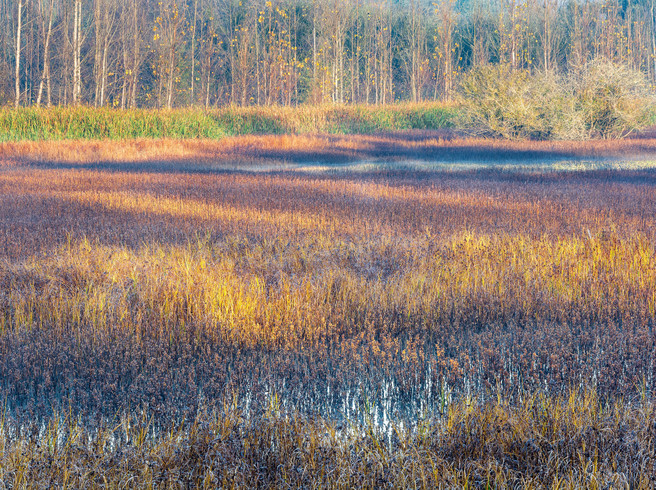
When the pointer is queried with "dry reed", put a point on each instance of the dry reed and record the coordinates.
(269, 306)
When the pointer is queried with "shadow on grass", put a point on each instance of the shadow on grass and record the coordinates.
(251, 151)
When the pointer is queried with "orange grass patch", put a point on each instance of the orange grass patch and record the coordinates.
(429, 144)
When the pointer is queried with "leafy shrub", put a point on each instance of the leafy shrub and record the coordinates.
(600, 99)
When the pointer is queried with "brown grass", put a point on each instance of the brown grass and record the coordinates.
(161, 280)
(444, 144)
(571, 441)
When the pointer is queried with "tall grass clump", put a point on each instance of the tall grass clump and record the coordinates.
(59, 123)
(92, 123)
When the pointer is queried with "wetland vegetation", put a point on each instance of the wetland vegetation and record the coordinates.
(382, 311)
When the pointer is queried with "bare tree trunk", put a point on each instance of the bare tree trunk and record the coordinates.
(19, 28)
(233, 68)
(295, 61)
(446, 66)
(193, 52)
(341, 65)
(546, 41)
(169, 85)
(314, 53)
(98, 49)
(653, 39)
(77, 49)
(257, 59)
(135, 58)
(369, 56)
(45, 75)
(207, 90)
(629, 36)
(105, 12)
(268, 75)
(413, 48)
(354, 36)
(513, 35)
(575, 55)
(390, 58)
(65, 87)
(126, 70)
(103, 71)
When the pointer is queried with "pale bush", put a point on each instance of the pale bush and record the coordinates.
(601, 99)
(495, 102)
(614, 100)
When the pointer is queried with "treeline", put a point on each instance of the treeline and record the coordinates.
(174, 53)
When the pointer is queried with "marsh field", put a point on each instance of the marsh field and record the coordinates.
(395, 310)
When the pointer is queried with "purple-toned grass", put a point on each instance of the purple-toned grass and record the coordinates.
(393, 327)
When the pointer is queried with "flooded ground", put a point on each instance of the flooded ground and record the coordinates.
(373, 289)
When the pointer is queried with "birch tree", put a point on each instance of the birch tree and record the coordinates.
(19, 31)
(77, 52)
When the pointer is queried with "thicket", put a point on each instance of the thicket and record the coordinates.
(599, 99)
(97, 123)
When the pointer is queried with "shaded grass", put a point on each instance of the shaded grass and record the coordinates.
(92, 123)
(571, 441)
(199, 154)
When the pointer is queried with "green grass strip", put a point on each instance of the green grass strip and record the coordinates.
(60, 123)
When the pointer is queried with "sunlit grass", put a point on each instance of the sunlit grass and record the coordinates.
(389, 326)
(227, 287)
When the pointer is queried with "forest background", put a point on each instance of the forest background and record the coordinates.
(207, 53)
